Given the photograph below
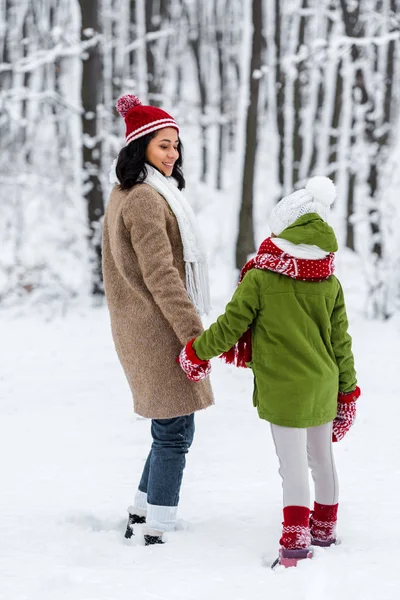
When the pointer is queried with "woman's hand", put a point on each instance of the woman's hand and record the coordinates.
(195, 368)
(346, 414)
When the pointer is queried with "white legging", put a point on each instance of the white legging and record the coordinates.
(297, 450)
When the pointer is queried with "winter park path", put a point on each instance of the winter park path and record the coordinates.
(72, 452)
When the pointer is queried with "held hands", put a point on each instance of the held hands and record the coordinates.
(195, 368)
(346, 414)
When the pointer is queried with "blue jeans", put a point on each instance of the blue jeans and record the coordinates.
(162, 474)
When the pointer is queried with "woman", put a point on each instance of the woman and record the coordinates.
(156, 283)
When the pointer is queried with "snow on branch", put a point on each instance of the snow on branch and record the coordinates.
(149, 37)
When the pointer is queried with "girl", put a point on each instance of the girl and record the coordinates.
(289, 309)
(156, 282)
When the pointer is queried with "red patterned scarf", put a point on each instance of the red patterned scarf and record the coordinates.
(271, 258)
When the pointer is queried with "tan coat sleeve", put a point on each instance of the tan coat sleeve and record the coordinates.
(144, 216)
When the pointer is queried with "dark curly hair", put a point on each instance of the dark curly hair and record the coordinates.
(131, 167)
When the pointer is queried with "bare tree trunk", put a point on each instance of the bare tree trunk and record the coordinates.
(245, 242)
(176, 11)
(232, 68)
(203, 104)
(141, 52)
(355, 30)
(157, 15)
(219, 37)
(297, 100)
(91, 97)
(196, 33)
(336, 116)
(380, 135)
(280, 92)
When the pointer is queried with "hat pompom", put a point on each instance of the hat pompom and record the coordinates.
(322, 189)
(127, 102)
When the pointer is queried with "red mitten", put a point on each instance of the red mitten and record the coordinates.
(195, 368)
(346, 414)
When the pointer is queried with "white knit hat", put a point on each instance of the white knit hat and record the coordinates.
(317, 197)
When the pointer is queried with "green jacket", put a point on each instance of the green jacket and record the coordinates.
(301, 351)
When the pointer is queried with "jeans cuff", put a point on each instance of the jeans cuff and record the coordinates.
(161, 518)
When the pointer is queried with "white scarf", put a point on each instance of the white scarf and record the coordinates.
(194, 254)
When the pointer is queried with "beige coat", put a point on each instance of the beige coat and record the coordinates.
(151, 314)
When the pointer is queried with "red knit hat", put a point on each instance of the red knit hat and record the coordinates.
(141, 120)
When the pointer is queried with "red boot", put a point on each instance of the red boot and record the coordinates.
(296, 538)
(290, 558)
(323, 524)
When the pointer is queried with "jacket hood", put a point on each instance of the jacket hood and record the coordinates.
(312, 230)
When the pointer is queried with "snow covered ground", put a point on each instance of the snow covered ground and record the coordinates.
(72, 452)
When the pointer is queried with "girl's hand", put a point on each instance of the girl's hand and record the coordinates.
(195, 368)
(346, 414)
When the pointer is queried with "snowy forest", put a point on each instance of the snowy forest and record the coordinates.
(267, 93)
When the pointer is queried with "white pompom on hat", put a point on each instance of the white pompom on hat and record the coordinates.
(317, 197)
(322, 189)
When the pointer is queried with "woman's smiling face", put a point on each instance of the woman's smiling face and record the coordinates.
(162, 150)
